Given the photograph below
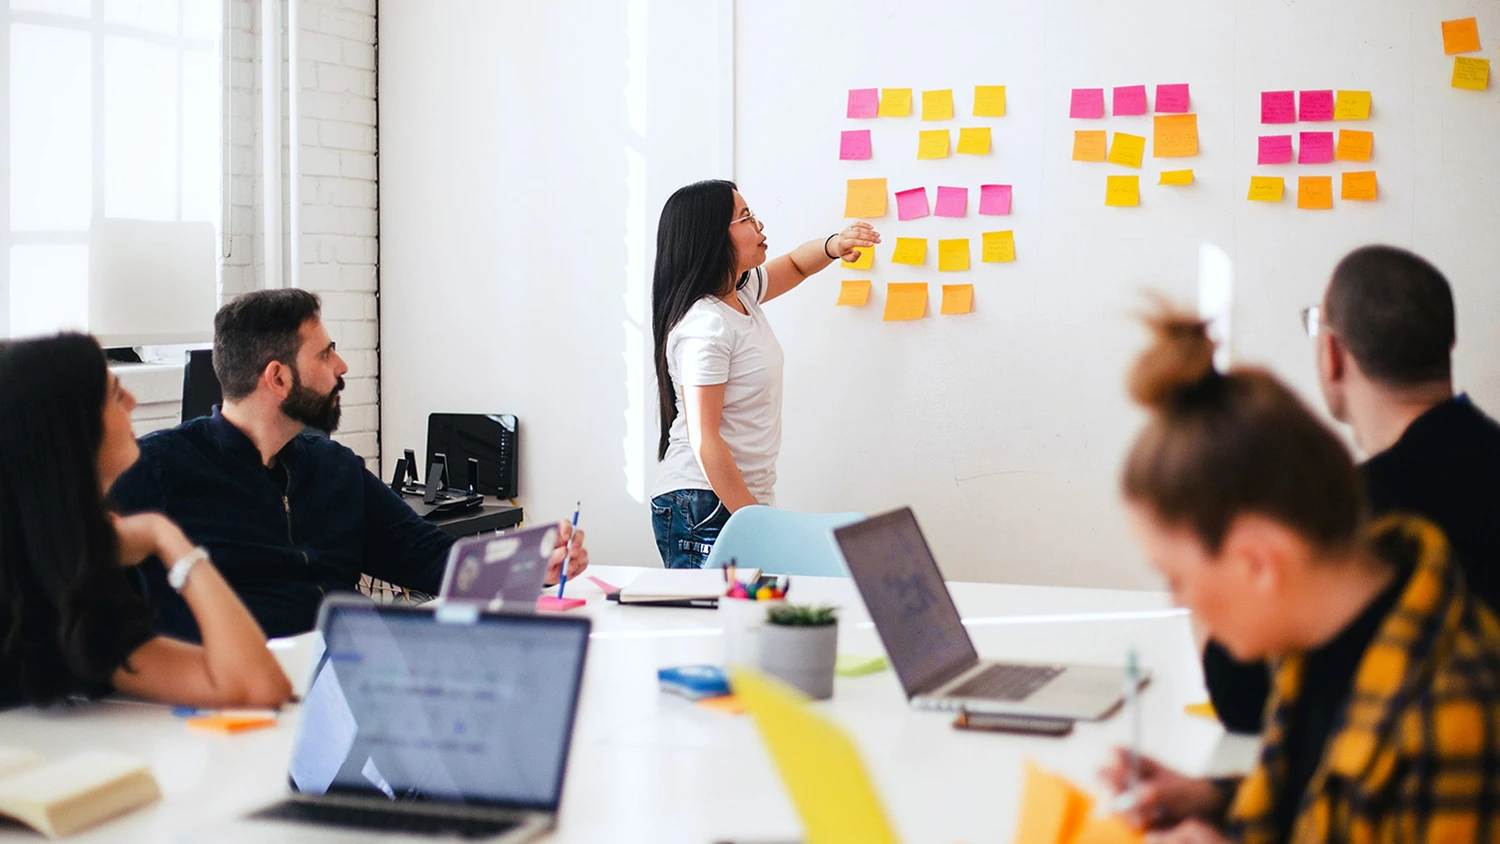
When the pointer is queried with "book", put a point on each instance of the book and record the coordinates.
(64, 797)
(675, 586)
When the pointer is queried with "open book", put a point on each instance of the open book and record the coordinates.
(680, 587)
(61, 798)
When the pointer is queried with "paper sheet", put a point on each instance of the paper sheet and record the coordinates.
(1090, 145)
(911, 204)
(989, 100)
(937, 105)
(863, 102)
(1127, 150)
(974, 141)
(953, 255)
(1354, 145)
(1176, 136)
(1460, 36)
(933, 143)
(1274, 149)
(1315, 148)
(1360, 186)
(1352, 105)
(854, 145)
(1278, 107)
(905, 302)
(910, 250)
(895, 102)
(998, 247)
(1176, 177)
(1315, 106)
(1123, 191)
(1130, 100)
(994, 200)
(1173, 99)
(854, 293)
(957, 299)
(1471, 74)
(952, 202)
(1088, 103)
(1315, 192)
(1266, 188)
(865, 198)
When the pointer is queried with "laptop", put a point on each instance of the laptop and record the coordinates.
(931, 651)
(423, 722)
(499, 572)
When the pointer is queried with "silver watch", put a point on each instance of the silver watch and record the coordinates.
(177, 575)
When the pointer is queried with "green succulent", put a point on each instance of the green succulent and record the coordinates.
(802, 615)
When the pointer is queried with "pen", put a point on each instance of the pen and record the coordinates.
(562, 582)
(1133, 704)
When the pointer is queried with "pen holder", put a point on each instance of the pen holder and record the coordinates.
(803, 657)
(743, 620)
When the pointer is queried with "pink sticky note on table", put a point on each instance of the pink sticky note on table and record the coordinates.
(1088, 103)
(1278, 107)
(994, 200)
(1129, 100)
(1315, 106)
(1275, 149)
(552, 603)
(864, 102)
(1315, 148)
(911, 204)
(1173, 99)
(952, 202)
(604, 586)
(854, 145)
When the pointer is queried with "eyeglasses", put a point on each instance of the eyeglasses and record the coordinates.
(748, 217)
(1312, 320)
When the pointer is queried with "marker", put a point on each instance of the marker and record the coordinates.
(1133, 705)
(562, 582)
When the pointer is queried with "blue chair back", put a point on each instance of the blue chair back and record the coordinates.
(782, 541)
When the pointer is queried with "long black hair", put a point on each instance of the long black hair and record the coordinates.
(694, 258)
(64, 598)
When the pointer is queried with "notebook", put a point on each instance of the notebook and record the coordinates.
(679, 587)
(61, 798)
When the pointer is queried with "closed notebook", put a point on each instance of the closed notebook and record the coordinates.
(672, 585)
(61, 798)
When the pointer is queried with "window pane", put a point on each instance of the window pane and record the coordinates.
(50, 126)
(155, 15)
(56, 7)
(203, 19)
(140, 130)
(202, 157)
(49, 289)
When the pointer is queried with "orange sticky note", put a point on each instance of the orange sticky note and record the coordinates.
(1090, 145)
(894, 102)
(854, 293)
(999, 247)
(1176, 136)
(865, 261)
(727, 704)
(905, 301)
(1108, 829)
(1471, 74)
(1204, 709)
(1460, 36)
(1123, 191)
(953, 255)
(231, 723)
(910, 250)
(1315, 192)
(1176, 177)
(1266, 188)
(974, 141)
(1354, 145)
(1360, 186)
(933, 143)
(865, 198)
(1052, 810)
(1352, 105)
(1127, 150)
(989, 100)
(957, 299)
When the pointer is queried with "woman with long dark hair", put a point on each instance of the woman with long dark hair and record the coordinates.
(718, 365)
(74, 619)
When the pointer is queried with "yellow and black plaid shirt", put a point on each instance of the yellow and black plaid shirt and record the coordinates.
(1415, 756)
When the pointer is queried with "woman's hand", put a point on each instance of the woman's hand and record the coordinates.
(570, 547)
(852, 240)
(149, 534)
(1164, 797)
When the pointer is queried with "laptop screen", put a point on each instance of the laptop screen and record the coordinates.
(406, 706)
(904, 592)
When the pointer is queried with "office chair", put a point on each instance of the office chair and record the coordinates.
(200, 386)
(782, 541)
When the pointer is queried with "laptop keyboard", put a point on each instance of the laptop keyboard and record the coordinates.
(385, 821)
(1006, 682)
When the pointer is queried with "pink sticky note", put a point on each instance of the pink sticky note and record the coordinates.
(1173, 99)
(854, 145)
(1315, 148)
(994, 200)
(1278, 107)
(1129, 100)
(1275, 149)
(552, 603)
(911, 204)
(604, 586)
(952, 202)
(1088, 103)
(1315, 106)
(864, 102)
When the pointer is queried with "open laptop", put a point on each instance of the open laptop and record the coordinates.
(499, 572)
(931, 651)
(423, 722)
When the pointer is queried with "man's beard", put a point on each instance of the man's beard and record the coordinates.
(312, 408)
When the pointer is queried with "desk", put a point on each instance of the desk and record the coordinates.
(653, 768)
(492, 515)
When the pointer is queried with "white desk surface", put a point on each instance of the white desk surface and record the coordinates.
(649, 767)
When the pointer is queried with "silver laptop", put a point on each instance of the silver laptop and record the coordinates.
(422, 722)
(931, 651)
(499, 572)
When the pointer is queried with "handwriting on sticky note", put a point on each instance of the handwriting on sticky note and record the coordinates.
(865, 198)
(854, 145)
(905, 301)
(1130, 100)
(854, 294)
(911, 204)
(952, 202)
(895, 102)
(1176, 177)
(937, 105)
(1354, 145)
(1278, 107)
(1088, 103)
(865, 261)
(1315, 192)
(1315, 148)
(994, 200)
(998, 247)
(1315, 106)
(989, 100)
(974, 141)
(863, 102)
(1176, 136)
(1122, 191)
(933, 143)
(957, 299)
(1274, 149)
(910, 250)
(1460, 36)
(1360, 186)
(1173, 99)
(1351, 105)
(1090, 145)
(1266, 188)
(953, 255)
(1471, 74)
(1127, 150)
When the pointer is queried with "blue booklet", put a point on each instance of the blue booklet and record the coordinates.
(694, 682)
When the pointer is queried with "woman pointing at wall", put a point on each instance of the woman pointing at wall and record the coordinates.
(718, 365)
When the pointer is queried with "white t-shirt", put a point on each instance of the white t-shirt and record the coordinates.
(716, 344)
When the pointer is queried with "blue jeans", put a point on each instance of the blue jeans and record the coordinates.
(687, 523)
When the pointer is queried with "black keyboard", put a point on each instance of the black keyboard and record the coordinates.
(414, 823)
(1006, 682)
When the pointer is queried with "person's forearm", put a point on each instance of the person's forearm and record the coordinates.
(811, 257)
(722, 473)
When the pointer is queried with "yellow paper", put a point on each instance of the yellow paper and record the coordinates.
(1471, 74)
(1089, 145)
(1354, 145)
(999, 247)
(957, 299)
(1315, 192)
(1176, 136)
(1266, 188)
(865, 198)
(1127, 149)
(894, 102)
(1352, 105)
(1108, 829)
(865, 261)
(1176, 177)
(1204, 709)
(1360, 185)
(1052, 810)
(989, 100)
(854, 293)
(974, 141)
(933, 143)
(819, 765)
(937, 105)
(903, 302)
(1123, 192)
(910, 250)
(953, 255)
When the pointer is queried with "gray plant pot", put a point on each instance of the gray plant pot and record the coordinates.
(801, 656)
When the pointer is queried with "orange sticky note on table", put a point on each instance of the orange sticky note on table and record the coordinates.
(1090, 145)
(1354, 145)
(1176, 177)
(1351, 105)
(933, 143)
(231, 724)
(865, 261)
(1360, 185)
(957, 299)
(905, 301)
(1052, 810)
(894, 102)
(727, 704)
(1176, 136)
(1315, 192)
(1127, 150)
(1471, 74)
(854, 294)
(1123, 191)
(1266, 188)
(999, 247)
(865, 198)
(953, 255)
(1460, 36)
(910, 250)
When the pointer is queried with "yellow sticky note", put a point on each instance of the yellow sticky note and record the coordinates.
(989, 100)
(1315, 192)
(937, 105)
(933, 143)
(894, 102)
(1052, 810)
(1202, 709)
(854, 293)
(1266, 188)
(1127, 149)
(1352, 105)
(910, 250)
(1354, 145)
(1471, 74)
(1461, 36)
(1123, 191)
(957, 299)
(999, 247)
(1176, 177)
(865, 261)
(1360, 185)
(865, 198)
(974, 141)
(1108, 829)
(1176, 136)
(903, 302)
(1090, 145)
(953, 255)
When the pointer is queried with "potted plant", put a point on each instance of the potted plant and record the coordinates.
(800, 644)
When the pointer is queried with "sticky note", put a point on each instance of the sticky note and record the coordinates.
(727, 704)
(231, 724)
(552, 603)
(865, 261)
(1130, 100)
(937, 105)
(1354, 145)
(1315, 148)
(1471, 74)
(1460, 36)
(952, 202)
(994, 200)
(865, 198)
(910, 250)
(1176, 136)
(1173, 99)
(1360, 185)
(953, 255)
(1352, 105)
(853, 665)
(1275, 149)
(989, 100)
(1123, 191)
(854, 293)
(1202, 709)
(1278, 107)
(957, 299)
(998, 247)
(1108, 829)
(1315, 106)
(895, 102)
(1090, 145)
(1088, 103)
(863, 102)
(1315, 192)
(905, 301)
(1052, 809)
(911, 204)
(933, 143)
(1176, 177)
(854, 145)
(1127, 149)
(1266, 188)
(974, 141)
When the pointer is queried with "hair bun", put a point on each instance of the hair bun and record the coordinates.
(1179, 361)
